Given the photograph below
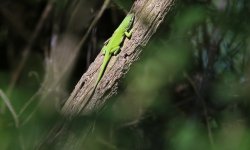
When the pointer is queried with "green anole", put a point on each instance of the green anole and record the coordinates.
(113, 44)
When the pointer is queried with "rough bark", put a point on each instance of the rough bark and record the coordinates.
(148, 16)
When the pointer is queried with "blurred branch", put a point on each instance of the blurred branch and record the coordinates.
(148, 16)
(10, 107)
(93, 23)
(27, 49)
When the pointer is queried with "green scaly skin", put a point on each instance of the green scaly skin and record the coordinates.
(113, 45)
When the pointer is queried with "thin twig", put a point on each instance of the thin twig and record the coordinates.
(25, 106)
(27, 49)
(93, 23)
(10, 107)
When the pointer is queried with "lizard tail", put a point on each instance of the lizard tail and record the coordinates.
(101, 72)
(103, 68)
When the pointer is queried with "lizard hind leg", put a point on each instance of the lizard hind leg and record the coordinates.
(115, 50)
(104, 49)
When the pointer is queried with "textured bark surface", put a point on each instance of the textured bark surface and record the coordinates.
(148, 16)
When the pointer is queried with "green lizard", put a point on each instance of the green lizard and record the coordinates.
(112, 46)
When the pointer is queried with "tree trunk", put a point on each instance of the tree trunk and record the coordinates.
(74, 134)
(148, 16)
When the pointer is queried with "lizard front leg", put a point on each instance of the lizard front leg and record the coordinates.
(128, 34)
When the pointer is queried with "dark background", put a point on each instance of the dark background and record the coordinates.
(189, 90)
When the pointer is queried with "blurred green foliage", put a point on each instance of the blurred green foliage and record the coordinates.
(189, 90)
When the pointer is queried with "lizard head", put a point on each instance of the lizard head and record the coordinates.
(128, 21)
(131, 18)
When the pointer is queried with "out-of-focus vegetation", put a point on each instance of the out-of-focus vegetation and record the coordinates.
(189, 90)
